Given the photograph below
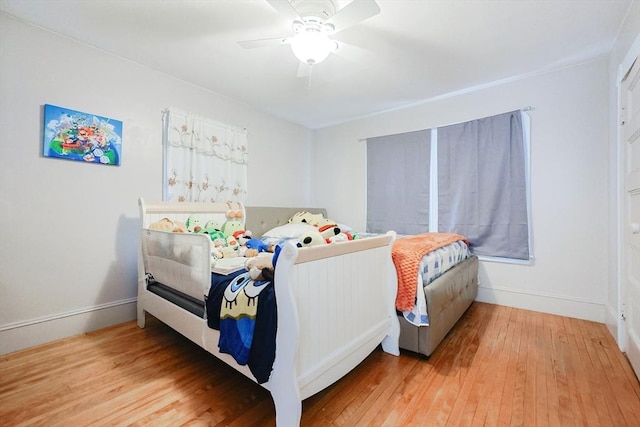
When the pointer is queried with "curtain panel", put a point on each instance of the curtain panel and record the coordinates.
(205, 160)
(398, 183)
(482, 185)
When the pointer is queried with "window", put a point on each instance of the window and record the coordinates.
(469, 178)
(204, 160)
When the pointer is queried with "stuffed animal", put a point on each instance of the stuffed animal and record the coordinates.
(248, 246)
(311, 238)
(306, 218)
(343, 236)
(327, 227)
(242, 237)
(259, 245)
(232, 243)
(261, 268)
(193, 224)
(233, 223)
(166, 224)
(228, 252)
(329, 231)
(213, 230)
(216, 248)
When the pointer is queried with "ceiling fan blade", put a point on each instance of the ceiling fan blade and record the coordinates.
(353, 53)
(353, 13)
(252, 44)
(285, 9)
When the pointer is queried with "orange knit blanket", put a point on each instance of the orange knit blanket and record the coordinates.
(407, 253)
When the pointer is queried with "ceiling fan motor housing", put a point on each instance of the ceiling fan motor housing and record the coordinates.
(320, 9)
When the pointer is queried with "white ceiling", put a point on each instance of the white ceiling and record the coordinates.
(413, 50)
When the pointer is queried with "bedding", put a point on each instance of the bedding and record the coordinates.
(419, 260)
(433, 265)
(407, 254)
(245, 313)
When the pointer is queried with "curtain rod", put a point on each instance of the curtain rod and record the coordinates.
(527, 108)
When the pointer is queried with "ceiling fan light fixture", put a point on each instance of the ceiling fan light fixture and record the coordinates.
(312, 47)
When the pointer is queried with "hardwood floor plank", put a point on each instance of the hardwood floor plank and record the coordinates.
(493, 397)
(498, 366)
(586, 404)
(481, 370)
(476, 408)
(475, 324)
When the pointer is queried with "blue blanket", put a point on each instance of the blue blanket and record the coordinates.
(244, 311)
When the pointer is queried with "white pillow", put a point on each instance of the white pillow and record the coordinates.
(289, 231)
(344, 227)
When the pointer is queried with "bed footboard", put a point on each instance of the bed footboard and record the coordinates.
(338, 302)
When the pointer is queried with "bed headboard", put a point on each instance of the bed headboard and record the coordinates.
(258, 219)
(262, 218)
(152, 211)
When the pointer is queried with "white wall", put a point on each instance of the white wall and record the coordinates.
(69, 230)
(568, 174)
(629, 31)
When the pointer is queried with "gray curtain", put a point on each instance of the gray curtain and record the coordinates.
(398, 183)
(482, 185)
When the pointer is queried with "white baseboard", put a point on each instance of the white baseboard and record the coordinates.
(544, 303)
(22, 335)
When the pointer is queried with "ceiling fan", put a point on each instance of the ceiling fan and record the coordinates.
(313, 24)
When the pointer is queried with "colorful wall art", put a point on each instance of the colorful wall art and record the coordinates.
(73, 135)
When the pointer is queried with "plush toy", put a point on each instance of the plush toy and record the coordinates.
(232, 243)
(306, 218)
(343, 236)
(233, 223)
(242, 237)
(329, 231)
(311, 238)
(193, 224)
(213, 230)
(261, 268)
(248, 246)
(327, 227)
(259, 245)
(216, 248)
(165, 224)
(228, 252)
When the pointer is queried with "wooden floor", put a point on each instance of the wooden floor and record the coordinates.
(499, 366)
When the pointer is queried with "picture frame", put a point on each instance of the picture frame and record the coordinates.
(75, 135)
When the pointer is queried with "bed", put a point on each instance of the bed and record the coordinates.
(448, 288)
(327, 283)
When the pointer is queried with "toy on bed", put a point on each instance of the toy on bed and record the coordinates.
(261, 267)
(330, 230)
(166, 224)
(213, 230)
(249, 246)
(234, 222)
(311, 238)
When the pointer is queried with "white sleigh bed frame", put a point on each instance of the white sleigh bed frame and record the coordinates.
(335, 303)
